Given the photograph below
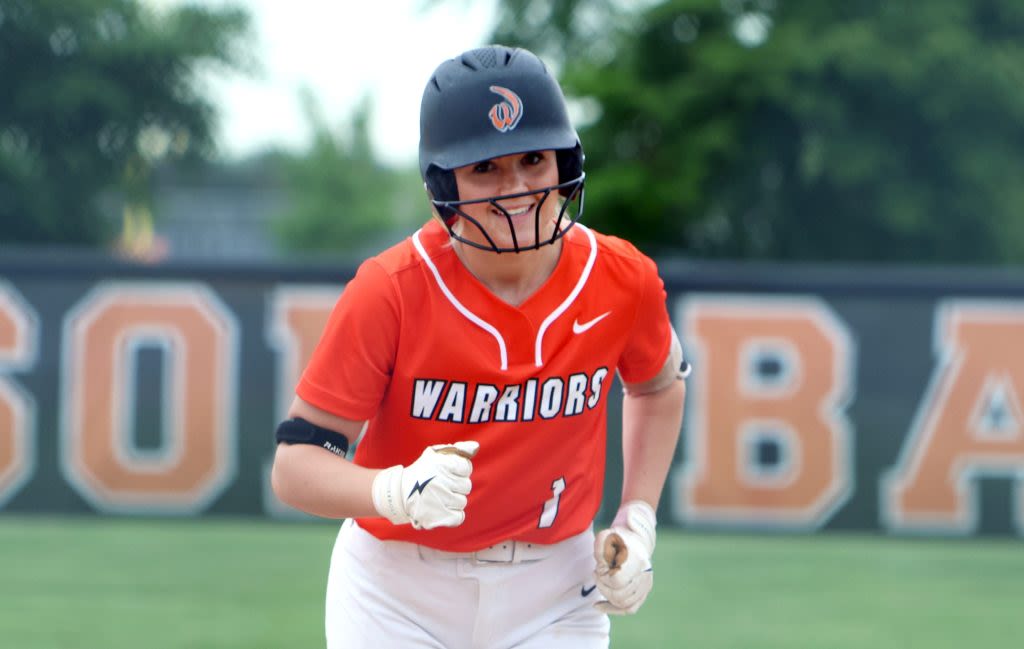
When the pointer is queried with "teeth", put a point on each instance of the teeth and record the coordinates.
(518, 212)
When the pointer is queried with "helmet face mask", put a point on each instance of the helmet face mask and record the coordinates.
(485, 104)
(569, 212)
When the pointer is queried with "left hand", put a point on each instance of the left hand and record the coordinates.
(623, 552)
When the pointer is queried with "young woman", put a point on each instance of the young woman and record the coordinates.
(472, 363)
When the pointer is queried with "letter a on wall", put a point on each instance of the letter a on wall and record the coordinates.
(970, 423)
(767, 439)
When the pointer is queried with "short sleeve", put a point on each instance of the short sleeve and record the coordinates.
(650, 339)
(351, 366)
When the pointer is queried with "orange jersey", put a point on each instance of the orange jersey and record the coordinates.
(426, 353)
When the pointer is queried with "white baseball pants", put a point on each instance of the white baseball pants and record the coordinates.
(389, 594)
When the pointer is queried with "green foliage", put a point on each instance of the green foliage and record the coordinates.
(94, 91)
(341, 197)
(882, 130)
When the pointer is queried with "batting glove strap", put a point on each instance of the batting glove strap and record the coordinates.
(638, 517)
(387, 495)
(626, 587)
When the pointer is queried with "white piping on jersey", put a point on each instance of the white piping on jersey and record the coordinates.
(491, 329)
(584, 276)
(472, 317)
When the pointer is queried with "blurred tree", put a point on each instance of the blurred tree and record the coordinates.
(883, 130)
(342, 199)
(94, 92)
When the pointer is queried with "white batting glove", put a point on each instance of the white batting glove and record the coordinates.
(431, 492)
(624, 574)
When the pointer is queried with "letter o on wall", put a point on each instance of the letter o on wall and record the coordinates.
(198, 339)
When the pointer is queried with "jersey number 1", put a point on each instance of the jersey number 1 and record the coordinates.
(547, 517)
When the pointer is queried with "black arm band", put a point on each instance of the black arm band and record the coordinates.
(299, 431)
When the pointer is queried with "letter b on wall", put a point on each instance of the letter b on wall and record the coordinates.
(767, 440)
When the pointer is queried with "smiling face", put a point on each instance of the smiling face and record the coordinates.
(524, 175)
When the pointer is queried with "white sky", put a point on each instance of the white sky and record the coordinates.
(341, 50)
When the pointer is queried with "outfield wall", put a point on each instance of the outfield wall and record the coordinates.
(822, 398)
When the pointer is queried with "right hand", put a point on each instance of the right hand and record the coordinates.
(623, 556)
(431, 492)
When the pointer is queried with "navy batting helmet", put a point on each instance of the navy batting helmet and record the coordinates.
(491, 102)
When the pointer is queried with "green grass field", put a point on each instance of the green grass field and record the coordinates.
(143, 584)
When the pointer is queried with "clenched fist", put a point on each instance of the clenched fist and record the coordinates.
(623, 552)
(431, 492)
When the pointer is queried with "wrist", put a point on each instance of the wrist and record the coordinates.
(387, 495)
(639, 517)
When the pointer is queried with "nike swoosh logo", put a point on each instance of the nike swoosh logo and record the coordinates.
(418, 487)
(578, 327)
(584, 591)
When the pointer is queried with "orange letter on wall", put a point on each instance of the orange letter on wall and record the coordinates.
(198, 340)
(297, 317)
(18, 349)
(970, 423)
(767, 440)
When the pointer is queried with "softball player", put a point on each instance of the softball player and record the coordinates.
(472, 363)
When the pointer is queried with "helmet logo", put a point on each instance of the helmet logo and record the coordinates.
(505, 115)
